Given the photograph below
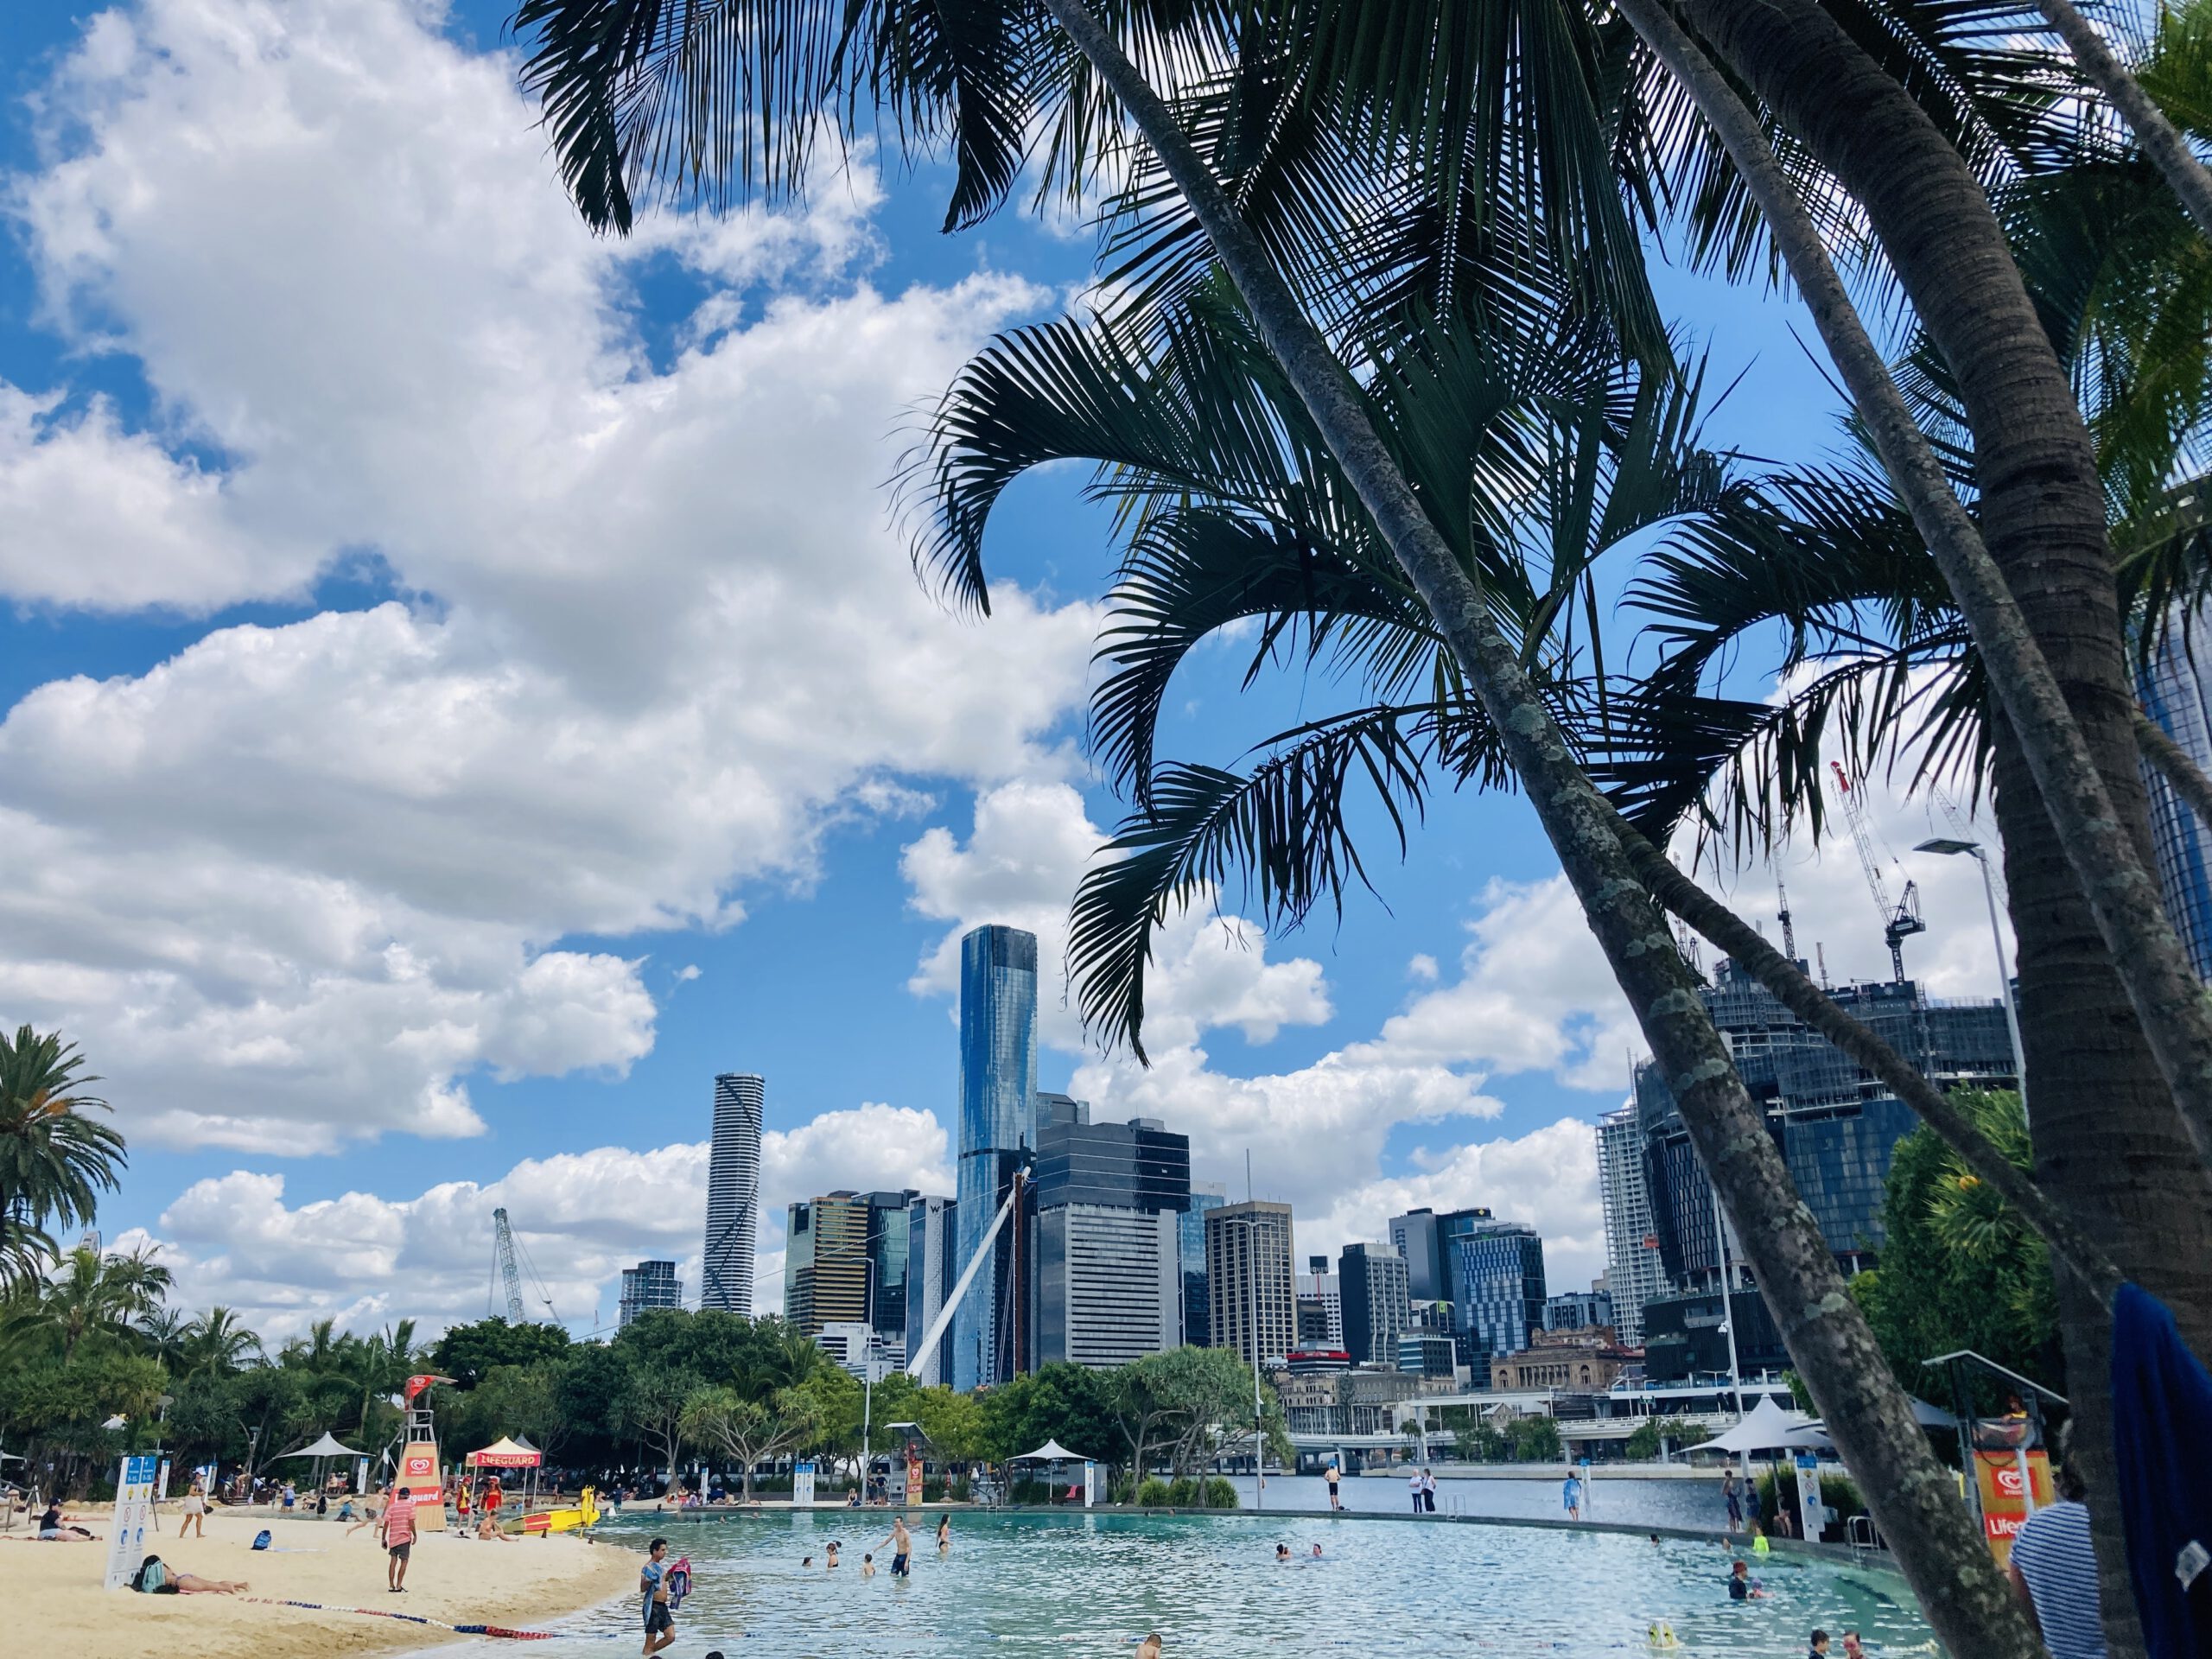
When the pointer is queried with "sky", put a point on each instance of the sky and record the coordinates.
(465, 686)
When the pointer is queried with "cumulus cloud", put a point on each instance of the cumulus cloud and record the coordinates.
(303, 882)
(579, 1218)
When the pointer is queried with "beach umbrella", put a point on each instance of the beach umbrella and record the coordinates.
(328, 1447)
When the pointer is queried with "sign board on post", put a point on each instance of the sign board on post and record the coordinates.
(418, 1473)
(134, 1513)
(360, 1476)
(914, 1475)
(802, 1485)
(1809, 1496)
(2009, 1495)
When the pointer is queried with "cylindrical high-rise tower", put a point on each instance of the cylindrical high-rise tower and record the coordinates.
(732, 1193)
(998, 1123)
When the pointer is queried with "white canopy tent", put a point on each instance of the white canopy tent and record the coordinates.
(1050, 1452)
(328, 1447)
(1770, 1428)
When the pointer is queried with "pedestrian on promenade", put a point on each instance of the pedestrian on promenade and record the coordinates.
(1332, 1475)
(1570, 1497)
(1428, 1491)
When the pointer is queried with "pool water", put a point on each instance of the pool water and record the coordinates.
(1085, 1585)
(1622, 1500)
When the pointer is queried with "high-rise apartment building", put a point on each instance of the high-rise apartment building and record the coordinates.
(1497, 1276)
(2177, 692)
(1580, 1310)
(1252, 1302)
(646, 1287)
(998, 1095)
(1632, 1265)
(1102, 1238)
(1371, 1280)
(733, 1194)
(1197, 1318)
(845, 1257)
(931, 1271)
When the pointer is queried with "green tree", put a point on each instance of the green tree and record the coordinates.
(1185, 1405)
(1657, 1435)
(467, 1352)
(749, 1432)
(953, 1424)
(93, 1297)
(216, 1343)
(1958, 1269)
(55, 1159)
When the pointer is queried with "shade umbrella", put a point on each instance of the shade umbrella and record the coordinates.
(1050, 1452)
(328, 1447)
(1770, 1429)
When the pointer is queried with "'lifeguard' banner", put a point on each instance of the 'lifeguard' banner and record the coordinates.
(2005, 1493)
(418, 1472)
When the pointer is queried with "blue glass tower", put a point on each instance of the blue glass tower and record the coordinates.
(2176, 691)
(998, 1125)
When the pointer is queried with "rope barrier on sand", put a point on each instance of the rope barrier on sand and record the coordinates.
(409, 1619)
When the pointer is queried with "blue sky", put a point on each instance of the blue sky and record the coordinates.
(465, 692)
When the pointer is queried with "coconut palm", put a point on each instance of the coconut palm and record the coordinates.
(93, 1295)
(218, 1343)
(161, 1334)
(55, 1158)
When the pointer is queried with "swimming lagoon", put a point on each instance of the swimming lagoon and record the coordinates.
(1092, 1583)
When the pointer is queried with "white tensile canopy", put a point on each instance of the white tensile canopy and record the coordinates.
(1050, 1452)
(328, 1447)
(1770, 1428)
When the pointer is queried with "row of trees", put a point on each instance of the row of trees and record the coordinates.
(1378, 366)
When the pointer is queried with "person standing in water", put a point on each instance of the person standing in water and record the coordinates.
(944, 1535)
(901, 1545)
(653, 1581)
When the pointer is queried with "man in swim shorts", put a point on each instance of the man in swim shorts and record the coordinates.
(397, 1531)
(900, 1545)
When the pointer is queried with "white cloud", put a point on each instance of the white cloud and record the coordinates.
(579, 1218)
(299, 883)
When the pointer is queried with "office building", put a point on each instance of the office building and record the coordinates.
(1586, 1360)
(1579, 1310)
(1497, 1273)
(1371, 1279)
(1252, 1303)
(931, 1271)
(648, 1286)
(1632, 1265)
(845, 1263)
(1102, 1240)
(1415, 1236)
(2177, 692)
(1837, 1128)
(1426, 1353)
(1198, 1329)
(733, 1194)
(998, 1107)
(1309, 1402)
(1320, 1308)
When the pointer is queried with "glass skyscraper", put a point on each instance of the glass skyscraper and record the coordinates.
(733, 1194)
(1191, 1245)
(2176, 691)
(998, 1095)
(1497, 1287)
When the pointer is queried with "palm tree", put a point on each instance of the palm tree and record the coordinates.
(162, 1332)
(94, 1295)
(645, 89)
(54, 1158)
(218, 1343)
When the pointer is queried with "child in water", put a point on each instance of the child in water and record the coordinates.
(867, 1566)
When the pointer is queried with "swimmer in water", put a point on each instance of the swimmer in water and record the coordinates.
(832, 1561)
(806, 1561)
(1317, 1551)
(901, 1545)
(1282, 1554)
(944, 1535)
(867, 1566)
(1149, 1648)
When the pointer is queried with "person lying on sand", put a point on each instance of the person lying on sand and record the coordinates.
(155, 1578)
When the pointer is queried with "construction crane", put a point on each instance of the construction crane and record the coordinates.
(1901, 920)
(1788, 932)
(503, 1249)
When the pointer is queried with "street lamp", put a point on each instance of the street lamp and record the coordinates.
(1973, 850)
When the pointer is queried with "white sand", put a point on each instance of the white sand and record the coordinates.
(53, 1601)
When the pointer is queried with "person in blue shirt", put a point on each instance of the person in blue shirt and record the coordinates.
(1570, 1497)
(652, 1582)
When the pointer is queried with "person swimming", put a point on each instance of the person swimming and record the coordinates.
(1149, 1648)
(1282, 1554)
(867, 1566)
(832, 1560)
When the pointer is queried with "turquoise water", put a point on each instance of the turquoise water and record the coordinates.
(1079, 1584)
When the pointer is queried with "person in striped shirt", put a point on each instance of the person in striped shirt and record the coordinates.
(2053, 1570)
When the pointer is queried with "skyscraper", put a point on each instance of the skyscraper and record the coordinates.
(845, 1257)
(931, 1271)
(1497, 1276)
(1632, 1265)
(998, 1095)
(2177, 692)
(1252, 1302)
(733, 1194)
(1414, 1236)
(1102, 1255)
(646, 1287)
(1320, 1306)
(1197, 1327)
(1371, 1280)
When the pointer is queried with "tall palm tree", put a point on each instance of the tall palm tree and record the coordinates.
(640, 87)
(93, 1296)
(161, 1332)
(218, 1343)
(55, 1159)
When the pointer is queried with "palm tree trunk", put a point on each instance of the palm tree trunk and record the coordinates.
(1965, 1597)
(2110, 1147)
(2069, 1245)
(2113, 865)
(2172, 762)
(2166, 148)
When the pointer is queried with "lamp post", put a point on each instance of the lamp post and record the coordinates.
(1974, 850)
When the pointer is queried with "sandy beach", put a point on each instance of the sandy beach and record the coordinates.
(54, 1599)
